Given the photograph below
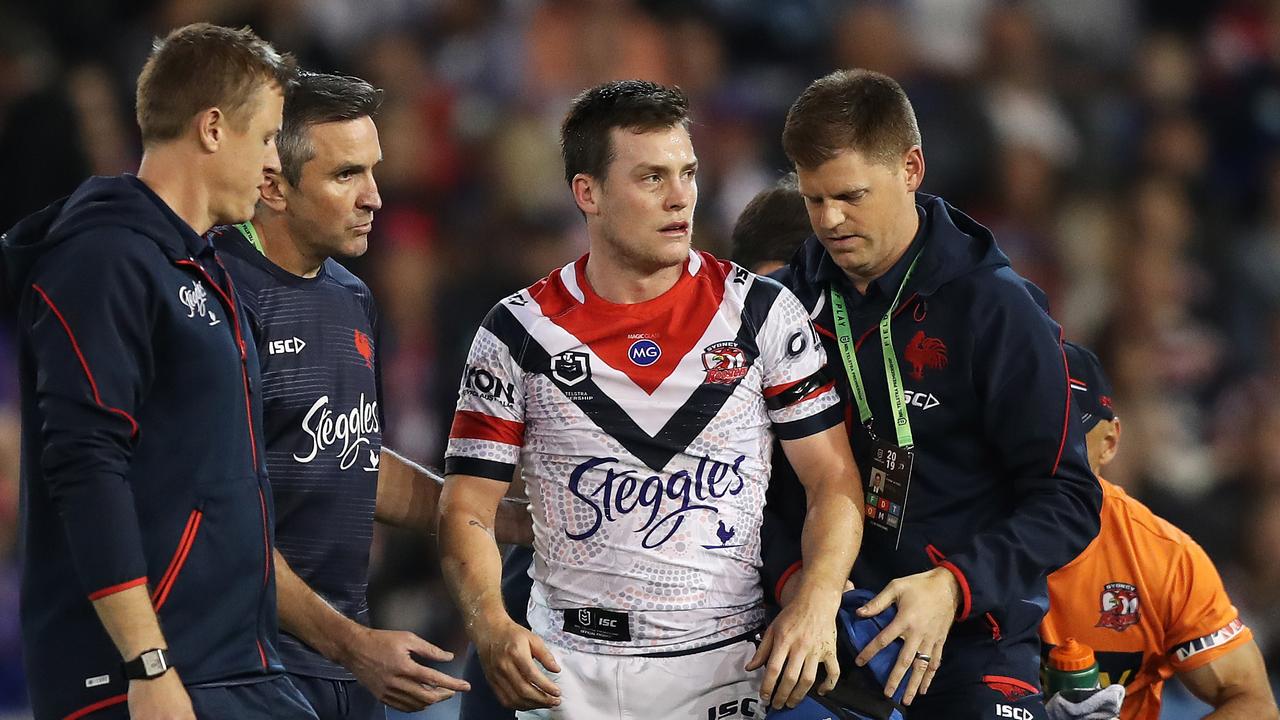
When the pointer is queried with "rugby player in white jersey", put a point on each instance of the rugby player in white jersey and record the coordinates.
(639, 390)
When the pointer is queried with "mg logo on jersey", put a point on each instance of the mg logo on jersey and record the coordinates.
(1119, 606)
(667, 500)
(644, 352)
(349, 430)
(291, 345)
(195, 299)
(571, 367)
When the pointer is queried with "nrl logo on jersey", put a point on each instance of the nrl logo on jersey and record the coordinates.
(348, 431)
(570, 368)
(196, 298)
(725, 362)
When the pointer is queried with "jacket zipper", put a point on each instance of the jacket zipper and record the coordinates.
(230, 304)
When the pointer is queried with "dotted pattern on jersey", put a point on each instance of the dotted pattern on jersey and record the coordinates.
(791, 349)
(678, 548)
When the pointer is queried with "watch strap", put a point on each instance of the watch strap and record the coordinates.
(150, 664)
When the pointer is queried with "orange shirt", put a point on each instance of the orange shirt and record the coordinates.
(1148, 601)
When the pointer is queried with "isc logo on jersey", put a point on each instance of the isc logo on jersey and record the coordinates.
(291, 345)
(746, 708)
(644, 352)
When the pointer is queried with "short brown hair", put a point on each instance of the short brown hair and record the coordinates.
(857, 110)
(635, 105)
(200, 66)
(316, 98)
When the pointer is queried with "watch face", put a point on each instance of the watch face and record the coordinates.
(153, 663)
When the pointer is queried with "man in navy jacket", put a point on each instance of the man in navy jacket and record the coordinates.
(147, 533)
(998, 491)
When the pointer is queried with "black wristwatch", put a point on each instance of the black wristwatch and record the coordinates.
(151, 664)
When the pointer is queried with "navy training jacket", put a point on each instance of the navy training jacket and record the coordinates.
(141, 452)
(1001, 493)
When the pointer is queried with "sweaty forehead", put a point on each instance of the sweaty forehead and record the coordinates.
(663, 147)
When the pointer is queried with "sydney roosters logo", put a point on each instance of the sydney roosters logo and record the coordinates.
(364, 346)
(725, 362)
(1119, 606)
(925, 352)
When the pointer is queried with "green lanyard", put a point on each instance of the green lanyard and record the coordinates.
(848, 353)
(251, 234)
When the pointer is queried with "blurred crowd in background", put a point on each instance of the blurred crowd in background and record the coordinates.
(1126, 153)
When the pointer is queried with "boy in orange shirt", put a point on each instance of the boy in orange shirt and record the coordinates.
(1145, 596)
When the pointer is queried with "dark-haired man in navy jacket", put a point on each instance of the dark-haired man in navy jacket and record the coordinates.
(958, 405)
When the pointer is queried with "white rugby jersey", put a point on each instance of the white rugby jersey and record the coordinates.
(643, 433)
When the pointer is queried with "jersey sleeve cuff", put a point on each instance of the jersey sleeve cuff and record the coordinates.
(491, 469)
(1199, 652)
(812, 425)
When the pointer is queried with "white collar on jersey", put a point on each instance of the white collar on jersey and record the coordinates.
(569, 275)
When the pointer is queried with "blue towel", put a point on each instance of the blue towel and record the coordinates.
(859, 694)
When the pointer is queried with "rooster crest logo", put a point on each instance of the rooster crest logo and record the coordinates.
(364, 346)
(925, 352)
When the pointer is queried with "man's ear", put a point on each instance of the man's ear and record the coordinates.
(211, 128)
(274, 192)
(586, 193)
(1110, 442)
(913, 168)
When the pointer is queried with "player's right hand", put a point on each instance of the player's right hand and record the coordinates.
(507, 652)
(162, 698)
(801, 638)
(383, 661)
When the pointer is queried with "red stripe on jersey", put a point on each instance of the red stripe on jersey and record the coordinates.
(674, 320)
(779, 389)
(478, 426)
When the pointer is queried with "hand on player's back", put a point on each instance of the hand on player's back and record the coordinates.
(801, 638)
(382, 660)
(508, 652)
